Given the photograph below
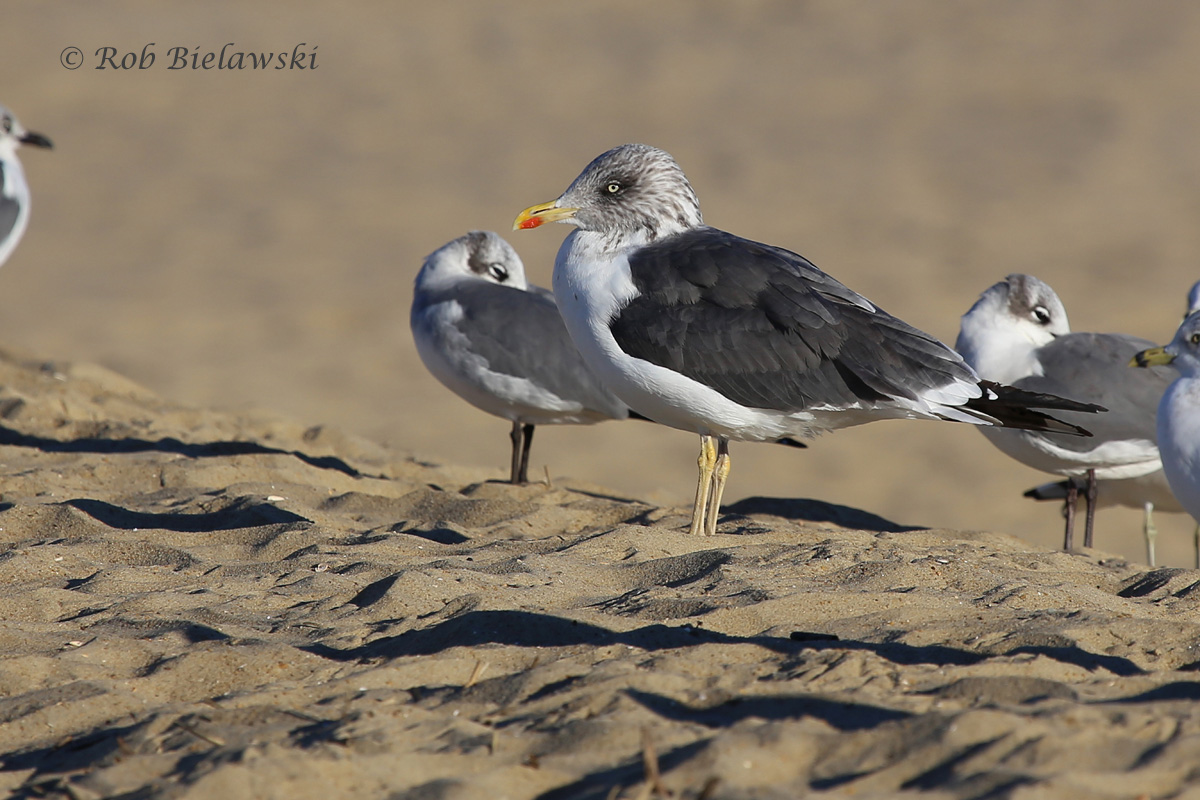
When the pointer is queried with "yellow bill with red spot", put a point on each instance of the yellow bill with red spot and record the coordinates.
(540, 214)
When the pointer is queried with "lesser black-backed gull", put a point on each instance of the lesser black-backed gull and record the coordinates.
(708, 332)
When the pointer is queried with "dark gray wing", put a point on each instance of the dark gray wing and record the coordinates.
(9, 210)
(1094, 368)
(767, 329)
(521, 333)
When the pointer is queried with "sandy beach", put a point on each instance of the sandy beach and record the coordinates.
(249, 547)
(209, 605)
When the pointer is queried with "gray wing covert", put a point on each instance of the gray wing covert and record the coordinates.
(521, 333)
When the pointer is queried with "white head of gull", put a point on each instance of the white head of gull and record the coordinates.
(499, 343)
(14, 191)
(1178, 423)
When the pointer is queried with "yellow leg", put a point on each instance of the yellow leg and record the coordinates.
(707, 461)
(720, 473)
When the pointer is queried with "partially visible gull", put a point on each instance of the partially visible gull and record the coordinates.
(14, 191)
(1018, 333)
(731, 339)
(499, 343)
(1179, 412)
(1149, 492)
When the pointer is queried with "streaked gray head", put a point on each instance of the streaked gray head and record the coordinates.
(633, 189)
(479, 255)
(13, 135)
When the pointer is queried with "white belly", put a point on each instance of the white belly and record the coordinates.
(1179, 441)
(1128, 458)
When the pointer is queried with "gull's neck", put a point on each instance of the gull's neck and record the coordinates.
(620, 240)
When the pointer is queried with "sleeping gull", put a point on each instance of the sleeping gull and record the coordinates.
(14, 191)
(1179, 412)
(1018, 333)
(499, 342)
(705, 331)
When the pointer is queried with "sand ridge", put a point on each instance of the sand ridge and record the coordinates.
(199, 604)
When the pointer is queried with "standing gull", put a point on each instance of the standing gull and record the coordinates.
(1149, 492)
(1179, 412)
(499, 343)
(14, 191)
(1018, 333)
(731, 339)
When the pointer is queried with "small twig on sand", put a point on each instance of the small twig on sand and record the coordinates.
(476, 674)
(184, 726)
(654, 783)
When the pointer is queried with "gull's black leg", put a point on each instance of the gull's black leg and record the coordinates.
(514, 474)
(1092, 490)
(523, 476)
(1069, 509)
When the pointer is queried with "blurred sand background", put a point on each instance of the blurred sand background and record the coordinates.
(248, 240)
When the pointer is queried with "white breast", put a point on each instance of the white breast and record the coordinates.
(17, 189)
(1179, 441)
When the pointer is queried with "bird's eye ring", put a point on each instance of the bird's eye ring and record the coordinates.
(1195, 338)
(1041, 315)
(498, 272)
(613, 187)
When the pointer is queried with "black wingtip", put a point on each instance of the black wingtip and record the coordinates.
(1058, 490)
(1038, 399)
(1017, 408)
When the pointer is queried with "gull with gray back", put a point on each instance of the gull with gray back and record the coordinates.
(499, 343)
(14, 191)
(1018, 333)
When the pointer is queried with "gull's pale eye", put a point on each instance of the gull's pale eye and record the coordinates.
(1042, 315)
(498, 272)
(613, 188)
(1194, 338)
